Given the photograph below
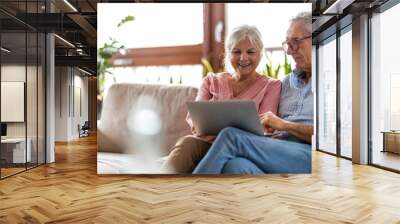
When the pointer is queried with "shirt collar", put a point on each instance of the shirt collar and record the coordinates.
(297, 79)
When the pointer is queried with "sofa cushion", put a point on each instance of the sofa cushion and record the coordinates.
(117, 163)
(119, 131)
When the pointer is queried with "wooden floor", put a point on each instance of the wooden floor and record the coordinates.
(387, 159)
(10, 171)
(70, 191)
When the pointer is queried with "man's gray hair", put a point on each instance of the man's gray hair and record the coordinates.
(305, 18)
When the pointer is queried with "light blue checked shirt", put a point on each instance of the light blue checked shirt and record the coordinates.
(297, 102)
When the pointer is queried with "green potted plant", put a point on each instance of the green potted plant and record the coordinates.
(104, 56)
(104, 65)
(272, 71)
(207, 67)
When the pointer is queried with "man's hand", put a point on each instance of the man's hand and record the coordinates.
(272, 122)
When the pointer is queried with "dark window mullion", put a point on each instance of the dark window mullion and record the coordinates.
(0, 97)
(369, 100)
(316, 97)
(37, 91)
(338, 94)
(26, 87)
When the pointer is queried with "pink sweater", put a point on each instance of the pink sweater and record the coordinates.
(264, 91)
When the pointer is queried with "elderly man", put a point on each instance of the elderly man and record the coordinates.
(288, 150)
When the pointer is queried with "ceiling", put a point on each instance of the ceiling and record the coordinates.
(74, 21)
(331, 15)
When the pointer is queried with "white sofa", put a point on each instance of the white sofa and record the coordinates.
(129, 138)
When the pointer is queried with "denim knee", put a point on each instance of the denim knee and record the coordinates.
(229, 131)
(240, 165)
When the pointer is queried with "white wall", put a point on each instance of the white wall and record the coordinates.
(70, 83)
(16, 73)
(61, 103)
(12, 73)
(34, 124)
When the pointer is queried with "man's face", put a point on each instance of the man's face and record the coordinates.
(301, 55)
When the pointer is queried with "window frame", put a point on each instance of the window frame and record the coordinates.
(326, 39)
(381, 9)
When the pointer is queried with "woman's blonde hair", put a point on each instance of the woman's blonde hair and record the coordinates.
(241, 33)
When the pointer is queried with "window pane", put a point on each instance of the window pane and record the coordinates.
(385, 84)
(155, 25)
(14, 154)
(327, 97)
(189, 75)
(346, 94)
(41, 98)
(32, 100)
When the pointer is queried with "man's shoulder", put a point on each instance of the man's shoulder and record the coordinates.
(295, 80)
(286, 81)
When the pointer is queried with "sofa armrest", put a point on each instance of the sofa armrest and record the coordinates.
(106, 143)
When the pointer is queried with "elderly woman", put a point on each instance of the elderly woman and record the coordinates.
(244, 49)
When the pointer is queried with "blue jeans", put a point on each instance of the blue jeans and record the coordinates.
(240, 152)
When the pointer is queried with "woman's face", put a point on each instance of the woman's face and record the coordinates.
(245, 57)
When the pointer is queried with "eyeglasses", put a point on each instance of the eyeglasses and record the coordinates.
(293, 43)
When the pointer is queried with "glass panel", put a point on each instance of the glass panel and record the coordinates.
(264, 17)
(31, 98)
(13, 87)
(22, 79)
(152, 21)
(41, 98)
(32, 88)
(327, 97)
(385, 84)
(346, 94)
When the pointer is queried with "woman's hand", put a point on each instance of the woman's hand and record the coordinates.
(207, 138)
(272, 122)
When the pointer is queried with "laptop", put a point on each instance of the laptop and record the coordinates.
(210, 117)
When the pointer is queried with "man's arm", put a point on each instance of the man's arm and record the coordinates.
(301, 131)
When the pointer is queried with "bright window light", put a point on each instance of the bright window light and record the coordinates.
(272, 20)
(155, 25)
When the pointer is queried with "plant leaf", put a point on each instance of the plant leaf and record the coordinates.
(287, 66)
(276, 72)
(207, 66)
(125, 20)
